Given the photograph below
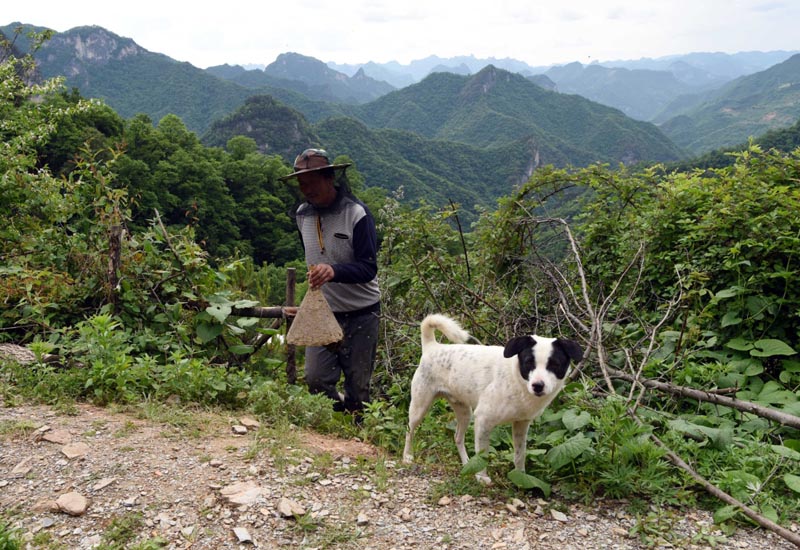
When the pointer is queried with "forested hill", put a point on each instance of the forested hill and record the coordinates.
(748, 106)
(495, 107)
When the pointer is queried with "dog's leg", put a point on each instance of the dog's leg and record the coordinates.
(463, 414)
(482, 433)
(421, 401)
(519, 433)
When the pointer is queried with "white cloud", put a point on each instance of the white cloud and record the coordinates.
(539, 32)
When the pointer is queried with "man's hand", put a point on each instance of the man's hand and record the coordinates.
(319, 274)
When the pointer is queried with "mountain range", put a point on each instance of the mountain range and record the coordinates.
(495, 121)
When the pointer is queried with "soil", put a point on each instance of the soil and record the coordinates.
(202, 485)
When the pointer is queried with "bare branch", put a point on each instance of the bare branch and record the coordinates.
(709, 397)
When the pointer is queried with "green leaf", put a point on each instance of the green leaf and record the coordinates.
(207, 332)
(219, 312)
(786, 452)
(241, 349)
(773, 394)
(575, 420)
(525, 481)
(770, 347)
(727, 293)
(792, 482)
(474, 465)
(725, 513)
(731, 318)
(568, 451)
(245, 322)
(739, 344)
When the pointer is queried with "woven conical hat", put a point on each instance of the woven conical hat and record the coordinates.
(314, 324)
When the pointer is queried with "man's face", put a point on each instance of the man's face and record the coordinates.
(317, 188)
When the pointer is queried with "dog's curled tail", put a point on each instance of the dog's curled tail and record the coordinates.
(447, 326)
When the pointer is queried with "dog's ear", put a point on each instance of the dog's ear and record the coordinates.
(517, 344)
(572, 349)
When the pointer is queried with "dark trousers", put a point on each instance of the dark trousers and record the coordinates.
(354, 357)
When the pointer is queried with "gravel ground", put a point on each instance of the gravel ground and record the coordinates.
(71, 481)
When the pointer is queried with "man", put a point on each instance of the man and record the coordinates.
(341, 249)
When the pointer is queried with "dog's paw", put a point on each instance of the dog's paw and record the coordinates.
(483, 479)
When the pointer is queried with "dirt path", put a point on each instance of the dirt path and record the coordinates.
(201, 486)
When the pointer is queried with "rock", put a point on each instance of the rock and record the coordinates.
(60, 437)
(289, 508)
(72, 503)
(239, 430)
(103, 483)
(445, 500)
(22, 469)
(242, 535)
(559, 516)
(242, 492)
(248, 422)
(75, 450)
(45, 505)
(362, 519)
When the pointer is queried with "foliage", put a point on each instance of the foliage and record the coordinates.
(9, 539)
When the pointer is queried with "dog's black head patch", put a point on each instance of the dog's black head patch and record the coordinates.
(523, 347)
(561, 352)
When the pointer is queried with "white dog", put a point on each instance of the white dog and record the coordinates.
(499, 385)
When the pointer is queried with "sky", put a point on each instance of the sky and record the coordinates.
(538, 32)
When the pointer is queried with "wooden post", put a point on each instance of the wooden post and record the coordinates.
(291, 366)
(114, 252)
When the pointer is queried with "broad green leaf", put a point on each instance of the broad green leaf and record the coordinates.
(575, 420)
(207, 332)
(725, 513)
(219, 312)
(773, 394)
(241, 349)
(727, 293)
(245, 303)
(474, 465)
(731, 318)
(739, 344)
(769, 512)
(525, 481)
(568, 451)
(793, 444)
(792, 482)
(770, 347)
(786, 452)
(245, 322)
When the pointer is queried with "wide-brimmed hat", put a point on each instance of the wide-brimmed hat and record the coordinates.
(312, 160)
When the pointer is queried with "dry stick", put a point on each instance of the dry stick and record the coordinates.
(463, 241)
(709, 397)
(720, 494)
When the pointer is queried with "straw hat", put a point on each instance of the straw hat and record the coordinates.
(312, 160)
